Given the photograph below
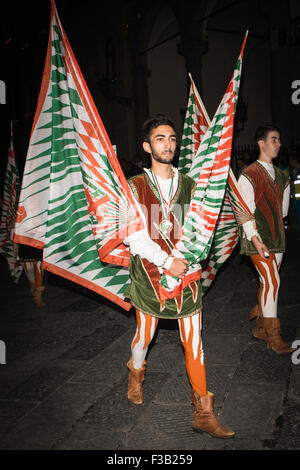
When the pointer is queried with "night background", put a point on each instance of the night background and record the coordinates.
(136, 55)
(64, 381)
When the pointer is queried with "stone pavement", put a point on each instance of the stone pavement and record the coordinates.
(64, 383)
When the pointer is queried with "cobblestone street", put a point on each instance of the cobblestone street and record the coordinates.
(64, 384)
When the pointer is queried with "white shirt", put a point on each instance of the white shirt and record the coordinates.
(247, 192)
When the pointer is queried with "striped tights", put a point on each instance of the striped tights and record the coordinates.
(190, 335)
(268, 271)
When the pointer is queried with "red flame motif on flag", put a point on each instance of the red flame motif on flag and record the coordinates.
(21, 214)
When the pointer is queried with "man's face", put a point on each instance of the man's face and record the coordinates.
(162, 144)
(271, 146)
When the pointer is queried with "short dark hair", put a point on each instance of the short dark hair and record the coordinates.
(152, 123)
(262, 132)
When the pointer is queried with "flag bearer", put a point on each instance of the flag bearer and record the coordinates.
(158, 191)
(266, 191)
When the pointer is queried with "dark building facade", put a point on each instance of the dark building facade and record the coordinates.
(136, 55)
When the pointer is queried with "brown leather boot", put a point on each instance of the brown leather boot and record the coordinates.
(135, 383)
(259, 330)
(204, 419)
(274, 340)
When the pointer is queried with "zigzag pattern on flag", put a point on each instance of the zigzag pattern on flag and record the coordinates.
(195, 126)
(210, 168)
(8, 215)
(75, 202)
(225, 240)
(234, 210)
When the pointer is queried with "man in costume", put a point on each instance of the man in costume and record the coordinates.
(266, 191)
(158, 191)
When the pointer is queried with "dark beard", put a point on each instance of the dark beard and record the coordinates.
(161, 160)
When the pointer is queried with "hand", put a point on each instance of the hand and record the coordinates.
(261, 247)
(179, 267)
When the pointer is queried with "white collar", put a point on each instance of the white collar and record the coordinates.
(270, 165)
(175, 170)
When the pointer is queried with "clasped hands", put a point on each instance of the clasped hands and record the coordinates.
(179, 267)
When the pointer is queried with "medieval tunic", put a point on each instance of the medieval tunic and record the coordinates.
(268, 196)
(144, 290)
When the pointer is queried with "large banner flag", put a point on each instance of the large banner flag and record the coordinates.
(195, 126)
(8, 215)
(234, 210)
(75, 203)
(209, 167)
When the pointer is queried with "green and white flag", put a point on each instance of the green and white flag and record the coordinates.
(209, 167)
(234, 210)
(196, 123)
(75, 203)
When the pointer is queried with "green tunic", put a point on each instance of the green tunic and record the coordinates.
(144, 289)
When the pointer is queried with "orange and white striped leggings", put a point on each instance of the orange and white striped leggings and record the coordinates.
(269, 278)
(190, 335)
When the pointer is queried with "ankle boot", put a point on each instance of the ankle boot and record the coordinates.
(204, 419)
(259, 330)
(135, 383)
(274, 340)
